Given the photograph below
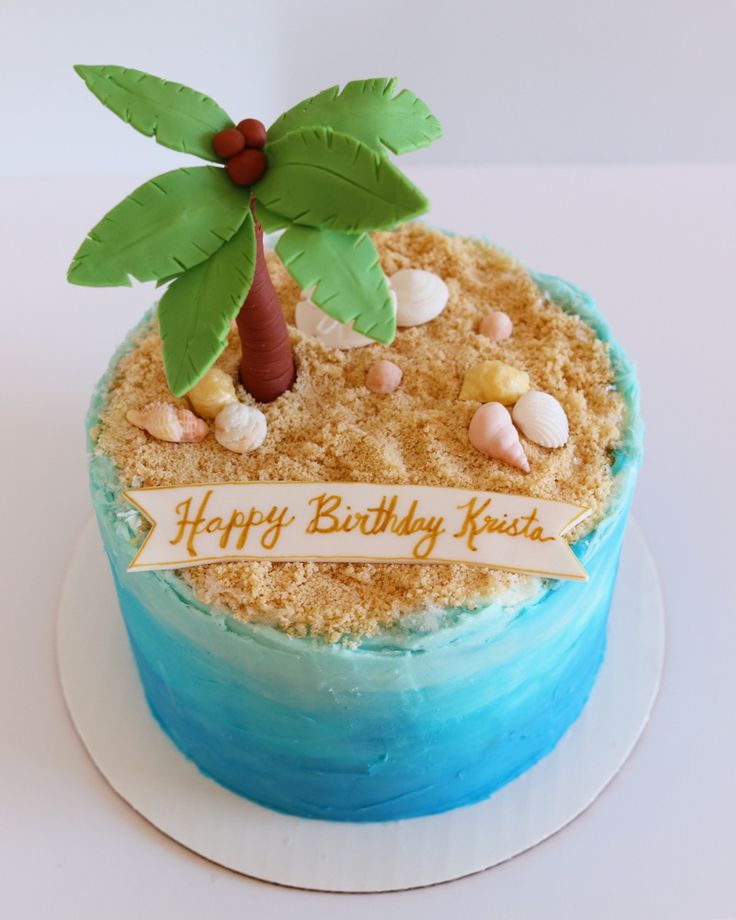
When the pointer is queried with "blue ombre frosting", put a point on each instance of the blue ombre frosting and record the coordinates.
(408, 723)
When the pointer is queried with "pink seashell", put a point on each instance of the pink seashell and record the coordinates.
(167, 423)
(384, 377)
(497, 326)
(492, 432)
(192, 428)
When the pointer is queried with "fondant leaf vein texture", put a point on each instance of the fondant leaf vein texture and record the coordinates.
(321, 178)
(269, 220)
(369, 111)
(173, 114)
(197, 309)
(327, 183)
(166, 226)
(346, 274)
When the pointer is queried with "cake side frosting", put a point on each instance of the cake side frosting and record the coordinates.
(396, 730)
(409, 722)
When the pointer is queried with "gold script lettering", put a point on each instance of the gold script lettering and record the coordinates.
(274, 521)
(473, 526)
(376, 520)
(196, 525)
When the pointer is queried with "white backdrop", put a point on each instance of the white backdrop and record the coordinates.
(556, 81)
(521, 82)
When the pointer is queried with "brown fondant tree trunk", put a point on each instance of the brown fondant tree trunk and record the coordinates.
(267, 366)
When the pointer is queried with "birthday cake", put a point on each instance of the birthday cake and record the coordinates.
(363, 492)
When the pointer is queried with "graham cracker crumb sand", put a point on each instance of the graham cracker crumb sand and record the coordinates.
(331, 427)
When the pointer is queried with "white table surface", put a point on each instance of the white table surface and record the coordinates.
(658, 248)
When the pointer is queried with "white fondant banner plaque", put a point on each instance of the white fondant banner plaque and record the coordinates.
(354, 522)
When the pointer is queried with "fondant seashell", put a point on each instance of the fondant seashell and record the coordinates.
(541, 419)
(492, 432)
(420, 296)
(167, 423)
(240, 428)
(213, 392)
(494, 381)
(314, 322)
(192, 428)
(496, 326)
(383, 377)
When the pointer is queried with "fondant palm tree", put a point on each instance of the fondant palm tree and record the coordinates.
(323, 177)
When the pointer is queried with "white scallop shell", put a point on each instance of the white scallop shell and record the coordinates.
(313, 321)
(240, 428)
(541, 419)
(420, 296)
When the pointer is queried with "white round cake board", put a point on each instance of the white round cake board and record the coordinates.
(109, 710)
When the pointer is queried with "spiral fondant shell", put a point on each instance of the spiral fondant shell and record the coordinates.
(240, 428)
(492, 432)
(167, 423)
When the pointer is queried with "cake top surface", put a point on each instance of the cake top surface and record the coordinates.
(331, 427)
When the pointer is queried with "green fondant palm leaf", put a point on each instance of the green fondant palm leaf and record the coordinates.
(195, 312)
(176, 116)
(270, 221)
(369, 111)
(319, 178)
(165, 227)
(350, 284)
